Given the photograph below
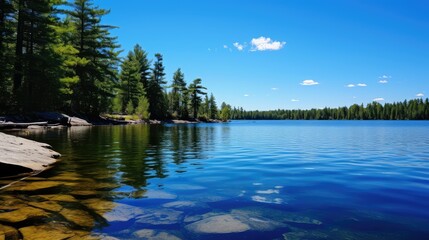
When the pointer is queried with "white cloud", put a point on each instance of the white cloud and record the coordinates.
(274, 89)
(384, 79)
(264, 44)
(294, 100)
(309, 83)
(378, 99)
(351, 85)
(225, 46)
(420, 95)
(354, 97)
(361, 85)
(239, 46)
(246, 95)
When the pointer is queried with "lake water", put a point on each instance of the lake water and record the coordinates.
(238, 180)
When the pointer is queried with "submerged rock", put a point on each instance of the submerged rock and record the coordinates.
(156, 194)
(10, 203)
(160, 217)
(219, 224)
(8, 233)
(78, 217)
(59, 197)
(181, 204)
(85, 193)
(46, 232)
(34, 186)
(313, 235)
(47, 205)
(195, 218)
(67, 176)
(150, 234)
(22, 214)
(275, 215)
(111, 211)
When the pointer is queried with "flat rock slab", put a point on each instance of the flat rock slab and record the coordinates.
(160, 217)
(111, 211)
(26, 153)
(150, 234)
(78, 217)
(23, 214)
(219, 224)
(46, 232)
(8, 233)
(34, 186)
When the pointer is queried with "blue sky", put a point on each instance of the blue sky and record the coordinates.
(287, 54)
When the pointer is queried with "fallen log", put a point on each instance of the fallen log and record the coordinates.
(4, 125)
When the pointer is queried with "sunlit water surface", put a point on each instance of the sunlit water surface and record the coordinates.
(238, 180)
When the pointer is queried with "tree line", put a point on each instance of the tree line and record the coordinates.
(416, 109)
(57, 55)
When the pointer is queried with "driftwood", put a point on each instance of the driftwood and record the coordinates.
(20, 155)
(21, 125)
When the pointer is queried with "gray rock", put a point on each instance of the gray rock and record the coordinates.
(113, 212)
(219, 224)
(150, 234)
(26, 153)
(160, 217)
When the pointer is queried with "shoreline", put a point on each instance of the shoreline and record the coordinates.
(56, 119)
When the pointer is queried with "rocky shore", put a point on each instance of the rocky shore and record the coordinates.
(23, 156)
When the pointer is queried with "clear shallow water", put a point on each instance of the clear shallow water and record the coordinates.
(240, 180)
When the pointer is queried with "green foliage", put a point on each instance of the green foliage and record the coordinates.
(155, 91)
(176, 101)
(130, 86)
(58, 55)
(129, 108)
(213, 110)
(417, 109)
(144, 63)
(6, 54)
(142, 109)
(97, 71)
(195, 90)
(225, 112)
(117, 104)
(37, 65)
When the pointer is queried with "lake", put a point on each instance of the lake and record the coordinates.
(237, 180)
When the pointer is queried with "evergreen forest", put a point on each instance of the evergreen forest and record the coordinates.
(58, 55)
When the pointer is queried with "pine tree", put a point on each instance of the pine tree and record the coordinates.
(142, 109)
(129, 109)
(131, 87)
(213, 107)
(176, 96)
(144, 63)
(155, 91)
(37, 64)
(225, 112)
(6, 54)
(195, 90)
(97, 71)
